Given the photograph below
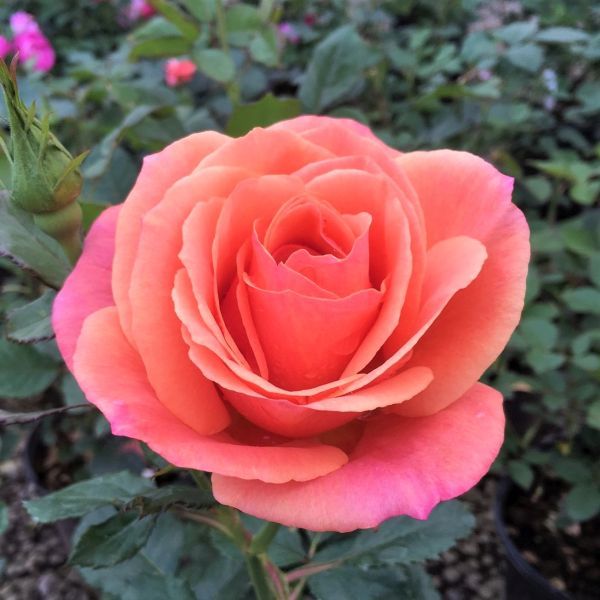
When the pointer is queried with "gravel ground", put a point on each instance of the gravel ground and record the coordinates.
(35, 555)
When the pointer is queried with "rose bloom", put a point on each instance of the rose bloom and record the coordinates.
(178, 71)
(304, 312)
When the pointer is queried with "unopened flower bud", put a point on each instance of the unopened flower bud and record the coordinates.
(46, 180)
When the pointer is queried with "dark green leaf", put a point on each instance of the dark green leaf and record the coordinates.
(203, 10)
(528, 57)
(264, 112)
(242, 22)
(215, 64)
(81, 498)
(583, 502)
(521, 473)
(583, 300)
(593, 415)
(111, 542)
(3, 517)
(91, 211)
(160, 499)
(31, 323)
(24, 371)
(174, 15)
(404, 540)
(351, 583)
(264, 47)
(335, 70)
(29, 248)
(562, 35)
(165, 47)
(516, 32)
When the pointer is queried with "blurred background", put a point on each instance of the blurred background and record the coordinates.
(517, 82)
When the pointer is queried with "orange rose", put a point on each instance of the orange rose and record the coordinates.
(305, 313)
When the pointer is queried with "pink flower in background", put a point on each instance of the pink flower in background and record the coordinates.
(29, 42)
(5, 47)
(288, 33)
(36, 48)
(139, 9)
(23, 22)
(178, 71)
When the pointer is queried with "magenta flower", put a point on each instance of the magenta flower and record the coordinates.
(288, 33)
(23, 22)
(178, 71)
(5, 47)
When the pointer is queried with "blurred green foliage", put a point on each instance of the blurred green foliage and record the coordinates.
(516, 82)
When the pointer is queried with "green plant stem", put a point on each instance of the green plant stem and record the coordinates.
(265, 9)
(232, 88)
(201, 480)
(261, 541)
(258, 577)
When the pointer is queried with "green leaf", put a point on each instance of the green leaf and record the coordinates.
(3, 517)
(538, 333)
(203, 10)
(515, 32)
(152, 573)
(174, 15)
(528, 57)
(335, 70)
(264, 112)
(583, 300)
(112, 541)
(571, 469)
(215, 64)
(404, 540)
(242, 22)
(562, 35)
(351, 583)
(29, 248)
(31, 323)
(542, 361)
(583, 502)
(594, 269)
(165, 47)
(84, 497)
(24, 371)
(160, 499)
(593, 415)
(521, 473)
(264, 47)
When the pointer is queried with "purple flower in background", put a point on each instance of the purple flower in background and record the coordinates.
(23, 22)
(288, 33)
(5, 47)
(29, 42)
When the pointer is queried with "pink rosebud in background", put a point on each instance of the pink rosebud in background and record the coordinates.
(139, 9)
(178, 71)
(288, 33)
(310, 19)
(23, 22)
(34, 46)
(5, 47)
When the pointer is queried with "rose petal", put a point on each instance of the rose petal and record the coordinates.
(114, 379)
(401, 466)
(88, 288)
(308, 341)
(159, 172)
(479, 320)
(156, 329)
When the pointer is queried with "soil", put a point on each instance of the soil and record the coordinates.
(566, 556)
(474, 568)
(35, 556)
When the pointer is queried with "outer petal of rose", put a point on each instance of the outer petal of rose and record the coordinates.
(159, 172)
(307, 123)
(476, 325)
(267, 151)
(401, 466)
(87, 289)
(114, 379)
(156, 329)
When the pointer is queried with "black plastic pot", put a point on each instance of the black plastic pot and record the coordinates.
(523, 582)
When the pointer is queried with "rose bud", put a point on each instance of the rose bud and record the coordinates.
(46, 180)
